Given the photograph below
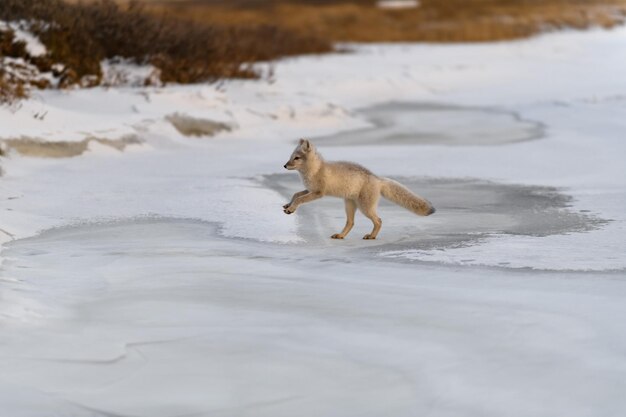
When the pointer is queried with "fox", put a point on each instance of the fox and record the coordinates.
(357, 185)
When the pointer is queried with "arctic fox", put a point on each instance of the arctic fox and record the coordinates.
(355, 184)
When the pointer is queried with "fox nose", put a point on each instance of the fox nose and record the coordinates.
(285, 166)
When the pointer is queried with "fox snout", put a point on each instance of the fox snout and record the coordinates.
(289, 166)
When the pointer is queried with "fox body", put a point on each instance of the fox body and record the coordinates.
(355, 184)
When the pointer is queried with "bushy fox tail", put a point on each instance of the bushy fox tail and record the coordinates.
(399, 194)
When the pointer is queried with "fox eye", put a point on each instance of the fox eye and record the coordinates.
(296, 158)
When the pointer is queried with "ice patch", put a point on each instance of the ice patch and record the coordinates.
(470, 213)
(398, 123)
(525, 252)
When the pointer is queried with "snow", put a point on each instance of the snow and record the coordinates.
(398, 4)
(125, 72)
(161, 278)
(34, 47)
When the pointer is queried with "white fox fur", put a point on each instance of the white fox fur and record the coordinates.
(355, 184)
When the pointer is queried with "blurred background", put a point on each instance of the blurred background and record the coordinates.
(207, 40)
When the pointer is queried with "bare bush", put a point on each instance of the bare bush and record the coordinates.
(81, 35)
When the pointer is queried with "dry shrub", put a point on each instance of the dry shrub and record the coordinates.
(11, 87)
(80, 35)
(10, 90)
(207, 40)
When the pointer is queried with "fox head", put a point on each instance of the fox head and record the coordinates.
(304, 152)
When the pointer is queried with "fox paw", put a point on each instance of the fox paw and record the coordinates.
(289, 210)
(369, 237)
(285, 206)
(337, 236)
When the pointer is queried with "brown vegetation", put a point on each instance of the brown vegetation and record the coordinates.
(206, 40)
(62, 149)
(432, 21)
(78, 36)
(11, 87)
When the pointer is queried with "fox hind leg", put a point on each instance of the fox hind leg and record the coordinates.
(368, 208)
(350, 210)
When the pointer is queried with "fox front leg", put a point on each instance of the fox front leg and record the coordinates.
(296, 195)
(309, 196)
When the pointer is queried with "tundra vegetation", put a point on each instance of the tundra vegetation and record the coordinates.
(190, 41)
(79, 36)
(430, 20)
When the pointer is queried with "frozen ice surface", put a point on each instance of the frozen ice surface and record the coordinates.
(436, 124)
(162, 317)
(161, 278)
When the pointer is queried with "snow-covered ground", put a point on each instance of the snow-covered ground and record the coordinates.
(153, 273)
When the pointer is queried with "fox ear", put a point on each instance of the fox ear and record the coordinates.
(305, 145)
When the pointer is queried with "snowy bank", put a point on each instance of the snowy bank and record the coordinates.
(164, 275)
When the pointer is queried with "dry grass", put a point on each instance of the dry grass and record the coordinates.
(10, 90)
(63, 149)
(433, 20)
(191, 126)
